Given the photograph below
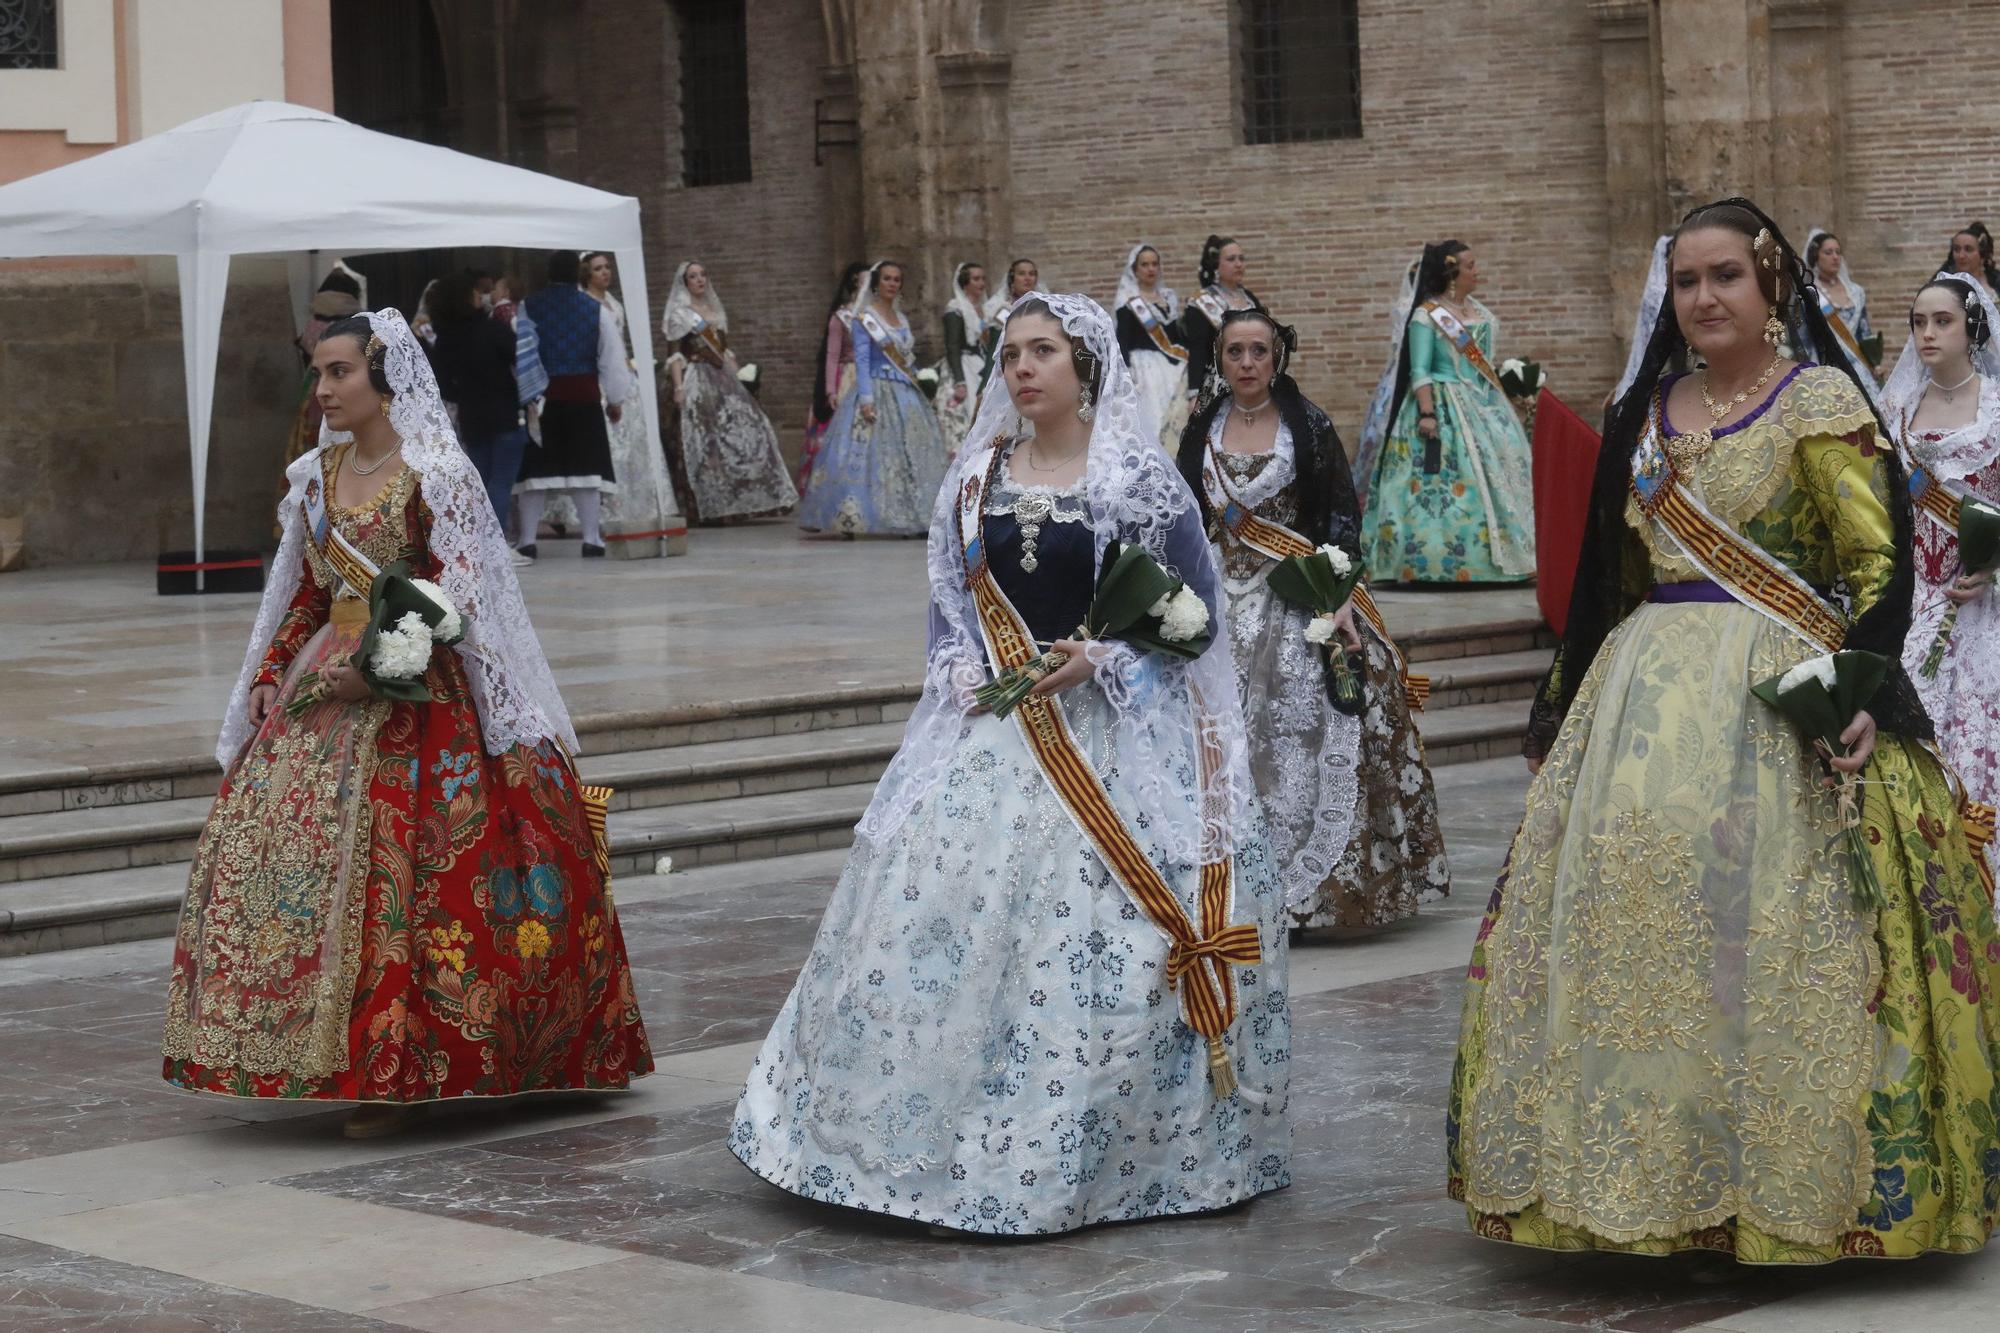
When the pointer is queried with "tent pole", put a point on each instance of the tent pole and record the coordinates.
(204, 285)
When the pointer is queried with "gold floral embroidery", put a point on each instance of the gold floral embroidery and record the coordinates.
(1634, 930)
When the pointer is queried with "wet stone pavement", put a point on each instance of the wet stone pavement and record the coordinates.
(126, 1205)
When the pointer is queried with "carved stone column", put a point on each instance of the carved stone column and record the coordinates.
(974, 171)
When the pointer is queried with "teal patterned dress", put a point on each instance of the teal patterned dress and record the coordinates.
(1467, 514)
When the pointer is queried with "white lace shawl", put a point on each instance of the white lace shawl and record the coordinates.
(682, 314)
(1651, 298)
(1375, 425)
(1135, 495)
(510, 679)
(1128, 284)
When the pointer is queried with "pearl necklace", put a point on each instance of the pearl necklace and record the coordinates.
(1948, 391)
(1249, 414)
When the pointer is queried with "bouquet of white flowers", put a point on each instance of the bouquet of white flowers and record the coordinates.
(1137, 601)
(749, 376)
(1522, 379)
(927, 380)
(1821, 696)
(1322, 583)
(407, 617)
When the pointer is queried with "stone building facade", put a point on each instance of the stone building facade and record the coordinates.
(1557, 137)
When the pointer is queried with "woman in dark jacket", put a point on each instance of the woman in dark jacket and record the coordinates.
(1353, 815)
(474, 361)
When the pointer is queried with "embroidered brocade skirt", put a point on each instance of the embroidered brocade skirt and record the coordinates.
(983, 1037)
(1471, 521)
(723, 449)
(1163, 389)
(1680, 1031)
(878, 480)
(381, 911)
(1352, 810)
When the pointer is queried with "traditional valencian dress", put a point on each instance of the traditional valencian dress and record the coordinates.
(1159, 364)
(969, 339)
(1049, 990)
(724, 448)
(1848, 321)
(1352, 809)
(837, 378)
(1961, 690)
(396, 901)
(1460, 508)
(877, 479)
(1681, 1029)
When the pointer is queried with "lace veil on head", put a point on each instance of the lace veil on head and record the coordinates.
(864, 295)
(974, 317)
(681, 315)
(1375, 425)
(1128, 282)
(510, 679)
(1134, 493)
(1906, 384)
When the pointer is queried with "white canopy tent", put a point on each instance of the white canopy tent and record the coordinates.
(273, 178)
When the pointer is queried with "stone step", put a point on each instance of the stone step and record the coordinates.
(1472, 732)
(716, 770)
(68, 787)
(1490, 678)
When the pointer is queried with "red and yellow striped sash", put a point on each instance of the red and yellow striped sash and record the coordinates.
(1462, 341)
(1198, 961)
(1938, 502)
(1280, 543)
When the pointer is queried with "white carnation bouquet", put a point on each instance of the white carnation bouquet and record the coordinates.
(1322, 583)
(407, 618)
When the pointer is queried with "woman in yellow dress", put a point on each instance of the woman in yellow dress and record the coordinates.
(1683, 1028)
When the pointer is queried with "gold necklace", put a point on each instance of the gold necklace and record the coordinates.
(374, 467)
(1687, 450)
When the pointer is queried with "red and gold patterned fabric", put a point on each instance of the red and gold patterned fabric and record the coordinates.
(381, 911)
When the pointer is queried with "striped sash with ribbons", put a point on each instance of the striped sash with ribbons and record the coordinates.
(1935, 499)
(891, 349)
(1279, 542)
(1149, 320)
(1212, 306)
(356, 570)
(1840, 329)
(711, 337)
(1199, 960)
(1756, 578)
(1463, 342)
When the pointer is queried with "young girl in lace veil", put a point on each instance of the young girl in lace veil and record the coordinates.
(1065, 916)
(395, 902)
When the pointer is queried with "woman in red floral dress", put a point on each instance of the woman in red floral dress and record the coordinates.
(396, 902)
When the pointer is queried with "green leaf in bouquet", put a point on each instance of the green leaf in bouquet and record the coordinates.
(1128, 586)
(1871, 349)
(1859, 675)
(1146, 638)
(1807, 706)
(390, 598)
(1978, 537)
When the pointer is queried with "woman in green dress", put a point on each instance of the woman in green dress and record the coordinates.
(1685, 1027)
(1444, 465)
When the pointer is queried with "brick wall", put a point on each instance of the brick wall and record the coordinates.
(1921, 132)
(763, 242)
(1482, 121)
(94, 444)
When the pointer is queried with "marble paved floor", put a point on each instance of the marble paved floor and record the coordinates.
(95, 666)
(127, 1206)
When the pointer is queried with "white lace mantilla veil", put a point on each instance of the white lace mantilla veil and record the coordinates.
(1855, 293)
(1375, 426)
(970, 313)
(510, 679)
(1128, 283)
(1650, 300)
(1966, 450)
(678, 320)
(1134, 494)
(864, 295)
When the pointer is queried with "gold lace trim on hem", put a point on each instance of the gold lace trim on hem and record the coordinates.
(1669, 1229)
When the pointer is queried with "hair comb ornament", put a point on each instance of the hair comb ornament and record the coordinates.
(375, 346)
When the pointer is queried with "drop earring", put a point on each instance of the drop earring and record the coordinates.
(1086, 411)
(1774, 329)
(384, 402)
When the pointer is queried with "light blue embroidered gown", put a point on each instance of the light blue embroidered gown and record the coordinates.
(1471, 517)
(877, 480)
(983, 1037)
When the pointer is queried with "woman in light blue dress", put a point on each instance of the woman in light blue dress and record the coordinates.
(884, 454)
(1444, 465)
(1049, 989)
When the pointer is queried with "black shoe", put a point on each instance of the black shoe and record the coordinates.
(528, 550)
(592, 552)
